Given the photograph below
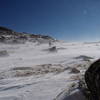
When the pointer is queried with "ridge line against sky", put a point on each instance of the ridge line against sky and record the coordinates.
(70, 20)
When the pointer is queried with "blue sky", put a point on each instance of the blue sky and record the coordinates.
(70, 20)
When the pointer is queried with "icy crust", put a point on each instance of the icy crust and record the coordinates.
(30, 72)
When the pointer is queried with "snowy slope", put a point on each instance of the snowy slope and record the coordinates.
(31, 72)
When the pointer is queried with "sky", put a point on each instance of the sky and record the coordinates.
(69, 20)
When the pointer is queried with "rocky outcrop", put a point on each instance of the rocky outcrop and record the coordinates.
(92, 78)
(9, 36)
(4, 29)
(3, 53)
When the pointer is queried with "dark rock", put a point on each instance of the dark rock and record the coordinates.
(9, 35)
(75, 70)
(53, 49)
(3, 53)
(3, 29)
(92, 78)
(2, 39)
(83, 57)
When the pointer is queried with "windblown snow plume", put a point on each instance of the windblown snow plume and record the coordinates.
(32, 68)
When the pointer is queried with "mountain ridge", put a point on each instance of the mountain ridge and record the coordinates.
(9, 35)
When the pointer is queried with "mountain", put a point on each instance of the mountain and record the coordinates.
(3, 29)
(10, 36)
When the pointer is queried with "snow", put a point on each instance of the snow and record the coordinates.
(49, 75)
(75, 95)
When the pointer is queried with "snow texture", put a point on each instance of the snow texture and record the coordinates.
(31, 72)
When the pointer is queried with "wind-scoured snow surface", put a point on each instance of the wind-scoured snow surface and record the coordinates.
(32, 72)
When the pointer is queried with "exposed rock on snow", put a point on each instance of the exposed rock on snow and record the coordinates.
(75, 70)
(4, 29)
(92, 78)
(4, 53)
(9, 36)
(35, 70)
(53, 49)
(83, 57)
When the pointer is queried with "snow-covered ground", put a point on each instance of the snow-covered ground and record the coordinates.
(31, 72)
